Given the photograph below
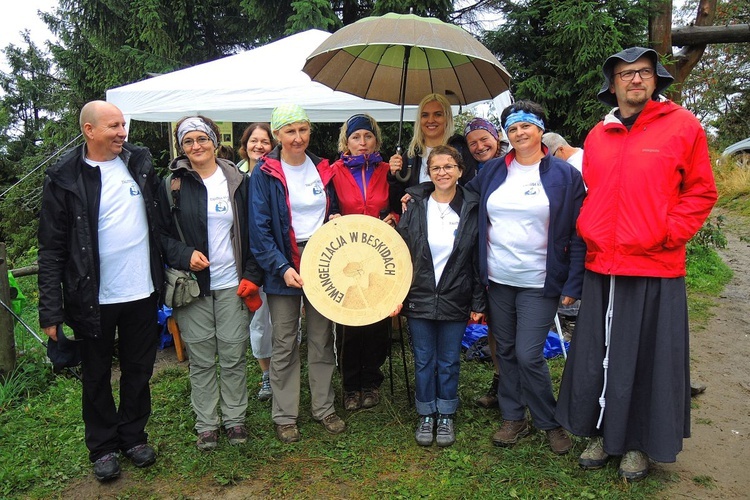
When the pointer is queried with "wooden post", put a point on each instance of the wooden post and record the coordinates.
(7, 339)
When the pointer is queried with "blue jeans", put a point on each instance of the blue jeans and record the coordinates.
(437, 351)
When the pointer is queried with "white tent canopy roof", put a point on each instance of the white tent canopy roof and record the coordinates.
(246, 87)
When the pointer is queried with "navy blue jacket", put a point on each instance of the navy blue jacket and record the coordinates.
(273, 242)
(566, 250)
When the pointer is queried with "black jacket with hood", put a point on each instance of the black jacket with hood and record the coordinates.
(190, 204)
(69, 238)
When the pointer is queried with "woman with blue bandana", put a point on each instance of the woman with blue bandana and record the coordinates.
(530, 258)
(361, 184)
(204, 230)
(291, 196)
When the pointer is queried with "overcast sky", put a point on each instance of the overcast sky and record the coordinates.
(23, 15)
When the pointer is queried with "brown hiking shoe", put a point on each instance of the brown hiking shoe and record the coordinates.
(633, 466)
(489, 400)
(510, 432)
(370, 397)
(287, 433)
(594, 456)
(559, 441)
(352, 400)
(333, 424)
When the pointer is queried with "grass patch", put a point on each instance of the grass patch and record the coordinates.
(42, 453)
(733, 183)
(705, 481)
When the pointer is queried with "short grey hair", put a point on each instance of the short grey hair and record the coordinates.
(554, 141)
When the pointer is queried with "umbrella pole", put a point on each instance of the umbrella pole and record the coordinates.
(402, 99)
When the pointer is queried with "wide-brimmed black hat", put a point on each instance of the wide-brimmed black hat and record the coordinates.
(63, 353)
(664, 79)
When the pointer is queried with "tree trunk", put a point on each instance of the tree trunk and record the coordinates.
(692, 35)
(7, 337)
(681, 63)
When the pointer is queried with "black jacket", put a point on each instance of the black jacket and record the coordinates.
(69, 238)
(191, 203)
(460, 290)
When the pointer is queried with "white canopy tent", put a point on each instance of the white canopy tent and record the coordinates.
(246, 87)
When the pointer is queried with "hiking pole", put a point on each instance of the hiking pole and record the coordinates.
(35, 335)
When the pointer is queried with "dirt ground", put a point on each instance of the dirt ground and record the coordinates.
(714, 462)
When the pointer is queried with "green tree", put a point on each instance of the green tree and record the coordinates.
(554, 50)
(718, 88)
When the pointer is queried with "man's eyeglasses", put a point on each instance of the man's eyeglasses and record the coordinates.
(445, 168)
(629, 74)
(202, 141)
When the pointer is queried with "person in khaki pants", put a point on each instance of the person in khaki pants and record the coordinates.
(291, 195)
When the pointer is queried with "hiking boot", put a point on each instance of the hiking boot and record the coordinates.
(445, 436)
(510, 432)
(370, 397)
(333, 424)
(425, 430)
(633, 466)
(287, 433)
(237, 435)
(142, 455)
(594, 456)
(559, 441)
(107, 467)
(265, 393)
(352, 400)
(489, 400)
(207, 440)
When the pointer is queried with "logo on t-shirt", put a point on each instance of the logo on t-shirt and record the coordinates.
(133, 188)
(221, 207)
(317, 188)
(532, 189)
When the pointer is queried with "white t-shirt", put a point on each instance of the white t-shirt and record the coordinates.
(576, 159)
(307, 197)
(442, 224)
(124, 251)
(220, 218)
(518, 212)
(424, 175)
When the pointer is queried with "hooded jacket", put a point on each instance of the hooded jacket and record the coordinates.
(274, 244)
(350, 196)
(650, 190)
(69, 238)
(565, 250)
(460, 290)
(191, 209)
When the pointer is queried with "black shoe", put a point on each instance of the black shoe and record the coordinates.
(107, 467)
(142, 455)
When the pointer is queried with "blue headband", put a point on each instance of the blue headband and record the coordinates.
(522, 116)
(195, 124)
(358, 122)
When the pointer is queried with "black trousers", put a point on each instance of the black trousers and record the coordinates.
(110, 428)
(362, 351)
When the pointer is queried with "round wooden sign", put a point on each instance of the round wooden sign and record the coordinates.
(356, 270)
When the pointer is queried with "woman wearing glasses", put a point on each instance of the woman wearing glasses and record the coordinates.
(204, 230)
(530, 256)
(440, 229)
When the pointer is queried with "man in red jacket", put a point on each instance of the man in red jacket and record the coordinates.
(650, 188)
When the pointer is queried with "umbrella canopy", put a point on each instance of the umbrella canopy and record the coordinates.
(367, 59)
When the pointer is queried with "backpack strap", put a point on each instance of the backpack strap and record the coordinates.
(172, 185)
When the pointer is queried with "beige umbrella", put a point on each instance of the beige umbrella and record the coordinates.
(400, 58)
